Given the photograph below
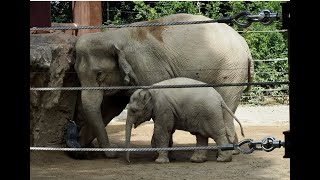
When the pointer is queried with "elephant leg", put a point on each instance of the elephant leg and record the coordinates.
(231, 122)
(91, 103)
(200, 155)
(161, 138)
(86, 136)
(236, 140)
(110, 107)
(231, 96)
(170, 153)
(171, 156)
(223, 156)
(153, 142)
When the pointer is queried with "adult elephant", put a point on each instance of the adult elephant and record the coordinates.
(212, 53)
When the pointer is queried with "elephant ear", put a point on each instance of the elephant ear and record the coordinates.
(145, 97)
(125, 68)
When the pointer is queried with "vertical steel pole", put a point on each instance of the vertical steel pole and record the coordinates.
(286, 25)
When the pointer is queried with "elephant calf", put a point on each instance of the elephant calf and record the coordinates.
(196, 110)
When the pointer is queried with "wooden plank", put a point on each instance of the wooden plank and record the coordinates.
(87, 13)
(40, 15)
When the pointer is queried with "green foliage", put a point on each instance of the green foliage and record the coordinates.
(269, 71)
(61, 11)
(262, 45)
(120, 12)
(145, 12)
(213, 10)
(166, 8)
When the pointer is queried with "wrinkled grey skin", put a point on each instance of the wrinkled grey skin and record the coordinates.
(212, 53)
(196, 110)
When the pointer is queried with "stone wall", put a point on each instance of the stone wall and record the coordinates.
(52, 57)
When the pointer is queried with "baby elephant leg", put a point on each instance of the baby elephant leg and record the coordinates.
(223, 156)
(200, 155)
(153, 141)
(153, 144)
(163, 157)
(161, 139)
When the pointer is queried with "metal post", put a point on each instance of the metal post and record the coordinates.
(108, 8)
(285, 25)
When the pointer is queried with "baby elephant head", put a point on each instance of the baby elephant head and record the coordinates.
(139, 110)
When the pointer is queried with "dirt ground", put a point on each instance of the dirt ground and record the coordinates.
(258, 123)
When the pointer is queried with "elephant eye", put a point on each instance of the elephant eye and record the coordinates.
(133, 110)
(99, 74)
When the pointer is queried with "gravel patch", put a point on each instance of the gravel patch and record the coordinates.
(263, 115)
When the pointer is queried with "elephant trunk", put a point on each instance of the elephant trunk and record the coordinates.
(128, 137)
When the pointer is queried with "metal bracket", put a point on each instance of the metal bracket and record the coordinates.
(285, 15)
(287, 146)
(267, 144)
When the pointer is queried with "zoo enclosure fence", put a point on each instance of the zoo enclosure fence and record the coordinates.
(264, 17)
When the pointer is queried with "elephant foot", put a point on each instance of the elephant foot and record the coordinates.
(79, 155)
(225, 156)
(111, 154)
(199, 156)
(172, 158)
(235, 152)
(162, 160)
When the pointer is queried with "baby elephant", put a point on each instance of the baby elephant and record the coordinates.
(196, 110)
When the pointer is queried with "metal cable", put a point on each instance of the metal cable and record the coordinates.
(262, 72)
(253, 31)
(256, 31)
(265, 17)
(125, 149)
(277, 59)
(124, 25)
(269, 72)
(267, 144)
(121, 11)
(244, 96)
(256, 60)
(152, 86)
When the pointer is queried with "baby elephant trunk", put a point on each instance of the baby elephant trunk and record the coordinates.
(128, 137)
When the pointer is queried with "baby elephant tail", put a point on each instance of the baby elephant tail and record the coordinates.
(224, 105)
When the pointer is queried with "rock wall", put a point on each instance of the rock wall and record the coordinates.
(52, 57)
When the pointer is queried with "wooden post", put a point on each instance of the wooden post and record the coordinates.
(87, 13)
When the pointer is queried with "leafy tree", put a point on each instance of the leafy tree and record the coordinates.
(61, 11)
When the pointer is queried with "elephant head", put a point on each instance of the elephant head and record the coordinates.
(139, 110)
(101, 61)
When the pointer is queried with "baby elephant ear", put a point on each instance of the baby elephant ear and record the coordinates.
(125, 67)
(145, 96)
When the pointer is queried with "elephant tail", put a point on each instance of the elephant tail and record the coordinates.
(224, 105)
(250, 70)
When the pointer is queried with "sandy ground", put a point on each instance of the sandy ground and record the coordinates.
(258, 122)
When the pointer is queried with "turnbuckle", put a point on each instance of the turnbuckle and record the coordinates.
(267, 144)
(265, 17)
